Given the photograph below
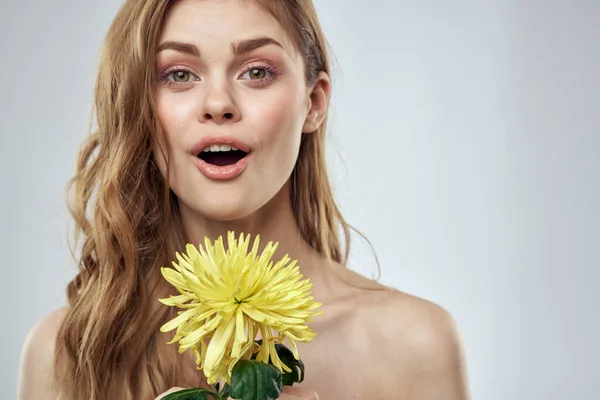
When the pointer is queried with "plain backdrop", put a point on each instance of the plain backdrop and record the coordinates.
(465, 144)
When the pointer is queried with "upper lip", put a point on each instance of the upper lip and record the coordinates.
(220, 139)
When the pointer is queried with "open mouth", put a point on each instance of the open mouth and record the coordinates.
(222, 157)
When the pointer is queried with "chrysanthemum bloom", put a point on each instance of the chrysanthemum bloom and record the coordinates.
(232, 295)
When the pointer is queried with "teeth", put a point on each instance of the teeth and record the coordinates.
(217, 147)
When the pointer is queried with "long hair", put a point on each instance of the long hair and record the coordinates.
(127, 219)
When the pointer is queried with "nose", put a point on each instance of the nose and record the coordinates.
(219, 106)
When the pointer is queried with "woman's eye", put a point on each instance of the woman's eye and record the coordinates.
(178, 77)
(181, 76)
(256, 73)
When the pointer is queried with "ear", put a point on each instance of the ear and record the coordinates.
(318, 103)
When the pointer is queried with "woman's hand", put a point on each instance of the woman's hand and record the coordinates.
(289, 393)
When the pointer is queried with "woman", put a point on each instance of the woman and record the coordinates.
(211, 117)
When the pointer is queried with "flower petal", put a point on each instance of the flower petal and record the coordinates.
(240, 334)
(180, 319)
(231, 295)
(218, 345)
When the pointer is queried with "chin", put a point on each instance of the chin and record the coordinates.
(226, 215)
(224, 211)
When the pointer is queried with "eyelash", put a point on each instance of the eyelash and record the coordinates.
(271, 71)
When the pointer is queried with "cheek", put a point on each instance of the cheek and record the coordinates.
(170, 128)
(279, 118)
(175, 113)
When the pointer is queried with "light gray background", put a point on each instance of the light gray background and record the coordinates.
(465, 144)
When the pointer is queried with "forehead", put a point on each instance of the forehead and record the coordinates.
(216, 23)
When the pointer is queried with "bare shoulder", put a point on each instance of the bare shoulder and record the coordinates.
(421, 339)
(36, 372)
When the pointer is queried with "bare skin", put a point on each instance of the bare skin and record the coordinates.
(374, 345)
(384, 344)
(370, 344)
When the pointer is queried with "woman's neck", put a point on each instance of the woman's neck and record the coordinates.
(274, 221)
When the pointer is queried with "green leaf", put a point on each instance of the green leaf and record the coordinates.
(225, 392)
(253, 380)
(297, 366)
(192, 394)
(287, 357)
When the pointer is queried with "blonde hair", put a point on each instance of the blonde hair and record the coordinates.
(127, 220)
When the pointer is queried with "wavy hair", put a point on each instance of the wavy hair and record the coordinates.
(127, 221)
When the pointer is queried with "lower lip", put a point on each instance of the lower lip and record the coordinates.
(222, 172)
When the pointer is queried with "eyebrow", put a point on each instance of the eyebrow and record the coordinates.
(238, 48)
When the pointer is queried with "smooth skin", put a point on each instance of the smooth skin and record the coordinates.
(375, 345)
(372, 342)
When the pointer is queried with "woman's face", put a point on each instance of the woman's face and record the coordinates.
(229, 77)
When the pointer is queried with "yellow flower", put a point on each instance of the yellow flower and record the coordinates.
(229, 296)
